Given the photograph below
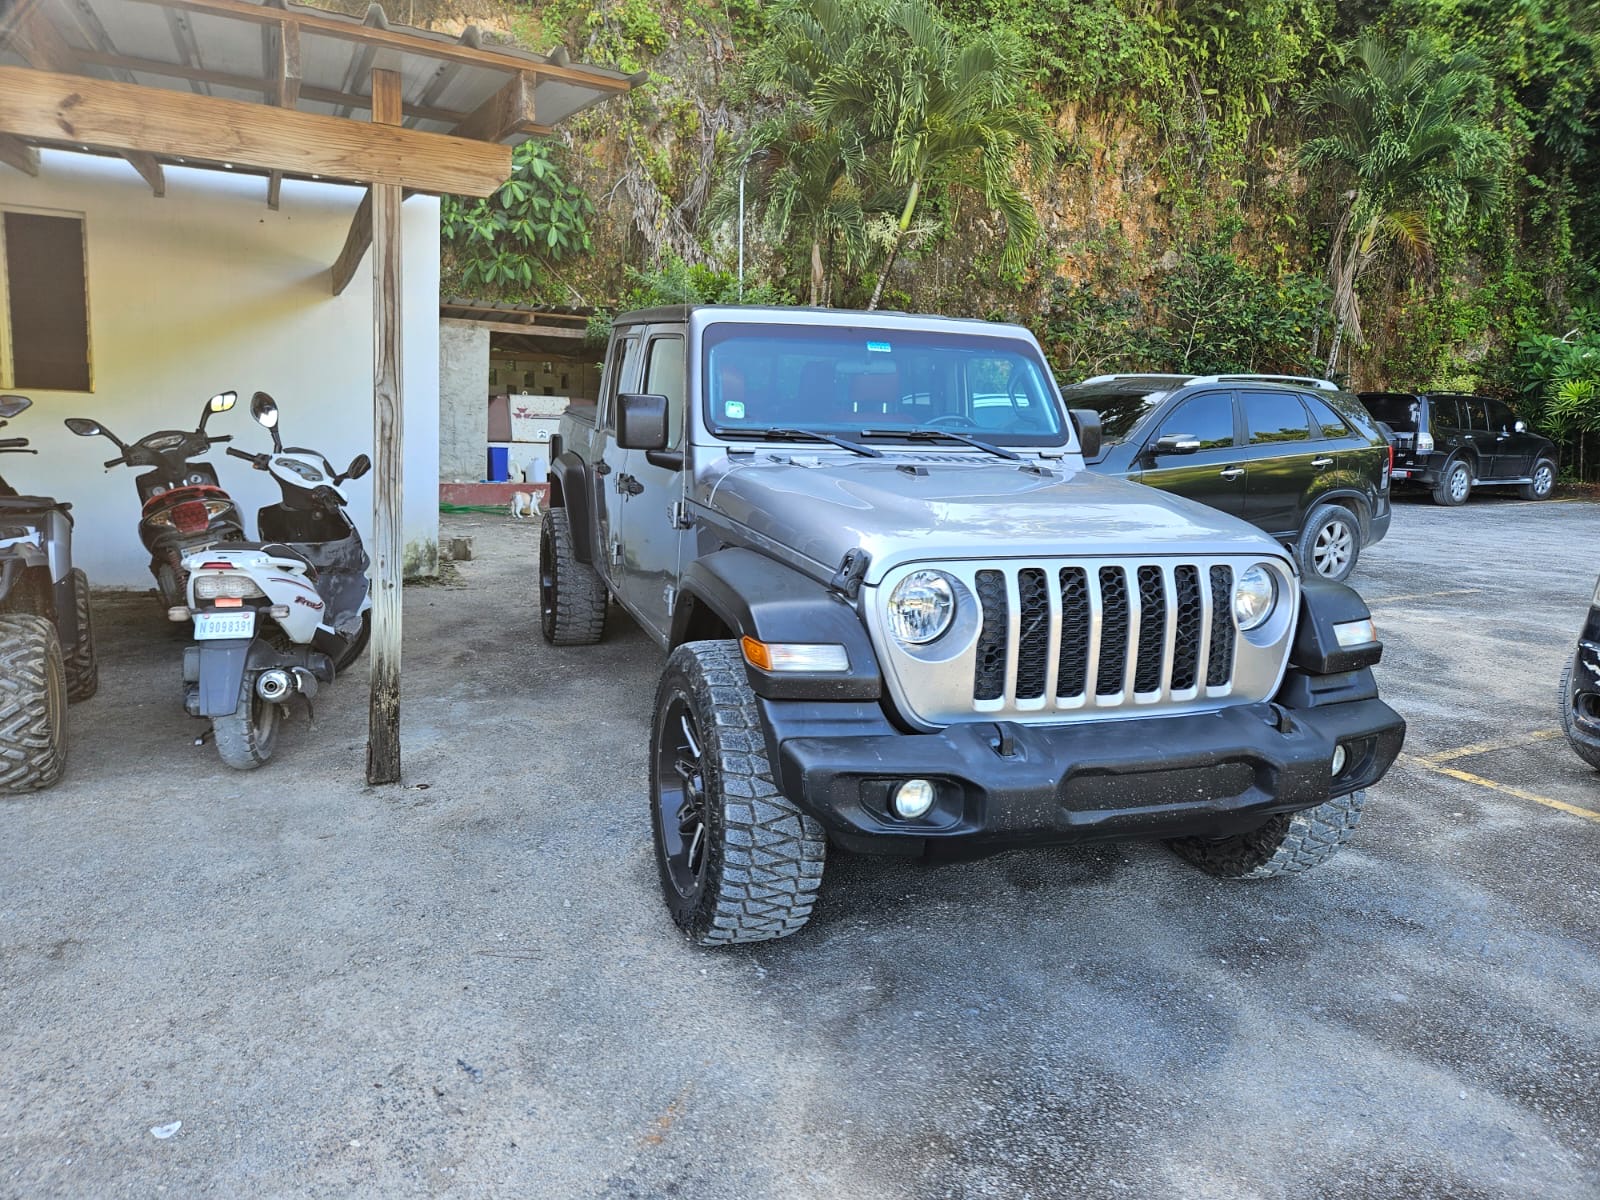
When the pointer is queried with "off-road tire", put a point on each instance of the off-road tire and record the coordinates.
(1544, 481)
(1331, 539)
(33, 704)
(763, 857)
(1287, 843)
(246, 736)
(572, 599)
(1590, 754)
(83, 670)
(1450, 491)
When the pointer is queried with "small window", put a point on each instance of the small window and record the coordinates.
(1501, 418)
(1445, 412)
(618, 371)
(47, 304)
(663, 376)
(1273, 417)
(1328, 423)
(1208, 417)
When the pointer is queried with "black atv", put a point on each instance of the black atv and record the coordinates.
(47, 655)
(1580, 690)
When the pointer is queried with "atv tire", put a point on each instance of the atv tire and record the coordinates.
(572, 599)
(738, 861)
(1287, 843)
(33, 704)
(83, 670)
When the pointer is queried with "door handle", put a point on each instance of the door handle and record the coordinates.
(1231, 473)
(1321, 463)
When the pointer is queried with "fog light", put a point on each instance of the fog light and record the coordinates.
(1339, 760)
(913, 799)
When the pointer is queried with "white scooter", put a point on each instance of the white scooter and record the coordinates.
(274, 618)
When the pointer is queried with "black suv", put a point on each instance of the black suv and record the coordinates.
(1296, 457)
(1453, 443)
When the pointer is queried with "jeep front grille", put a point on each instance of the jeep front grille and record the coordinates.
(1090, 638)
(1148, 598)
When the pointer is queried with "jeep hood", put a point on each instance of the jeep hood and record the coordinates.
(819, 507)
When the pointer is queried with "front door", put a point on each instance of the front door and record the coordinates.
(652, 495)
(1514, 452)
(1283, 461)
(1215, 473)
(622, 375)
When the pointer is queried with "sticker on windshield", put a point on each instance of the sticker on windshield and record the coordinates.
(734, 410)
(878, 348)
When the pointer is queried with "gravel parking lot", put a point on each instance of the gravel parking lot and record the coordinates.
(467, 986)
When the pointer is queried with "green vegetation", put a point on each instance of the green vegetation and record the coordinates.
(1399, 192)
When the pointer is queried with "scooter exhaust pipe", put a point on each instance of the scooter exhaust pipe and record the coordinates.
(274, 685)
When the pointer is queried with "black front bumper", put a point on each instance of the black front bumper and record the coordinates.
(1002, 785)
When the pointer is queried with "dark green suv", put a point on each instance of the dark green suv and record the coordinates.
(1297, 457)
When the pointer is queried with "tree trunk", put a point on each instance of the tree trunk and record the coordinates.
(894, 246)
(818, 280)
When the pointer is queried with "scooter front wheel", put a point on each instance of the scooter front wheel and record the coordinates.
(246, 736)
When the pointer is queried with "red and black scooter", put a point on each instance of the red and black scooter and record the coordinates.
(185, 511)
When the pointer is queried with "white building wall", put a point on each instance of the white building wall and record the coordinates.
(205, 290)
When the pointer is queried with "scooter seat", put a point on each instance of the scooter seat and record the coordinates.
(275, 549)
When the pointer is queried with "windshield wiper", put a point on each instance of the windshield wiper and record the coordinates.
(925, 434)
(805, 435)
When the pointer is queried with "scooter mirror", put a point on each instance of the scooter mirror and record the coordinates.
(222, 402)
(84, 427)
(264, 409)
(10, 406)
(359, 466)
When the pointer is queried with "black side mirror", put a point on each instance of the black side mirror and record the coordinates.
(219, 403)
(641, 422)
(1176, 443)
(1089, 433)
(265, 410)
(11, 406)
(359, 466)
(84, 427)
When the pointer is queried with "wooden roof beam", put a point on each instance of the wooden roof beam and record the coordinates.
(117, 116)
(355, 246)
(510, 111)
(17, 154)
(324, 25)
(148, 167)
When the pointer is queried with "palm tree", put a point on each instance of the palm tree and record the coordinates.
(1412, 153)
(930, 109)
(812, 179)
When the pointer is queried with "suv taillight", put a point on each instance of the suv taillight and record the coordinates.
(1388, 467)
(1424, 443)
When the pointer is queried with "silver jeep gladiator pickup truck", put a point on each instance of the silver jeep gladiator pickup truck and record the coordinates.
(901, 617)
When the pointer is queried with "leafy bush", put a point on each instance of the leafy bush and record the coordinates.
(536, 218)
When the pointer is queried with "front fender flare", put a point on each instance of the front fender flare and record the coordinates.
(759, 598)
(569, 489)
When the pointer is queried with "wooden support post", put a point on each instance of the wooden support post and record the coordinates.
(283, 68)
(388, 539)
(355, 246)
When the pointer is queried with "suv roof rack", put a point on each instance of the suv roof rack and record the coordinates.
(1325, 385)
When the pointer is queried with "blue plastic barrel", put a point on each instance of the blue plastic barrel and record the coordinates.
(499, 464)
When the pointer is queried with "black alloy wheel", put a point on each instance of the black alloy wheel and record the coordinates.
(681, 813)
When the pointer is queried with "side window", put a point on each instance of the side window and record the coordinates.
(1444, 412)
(1501, 418)
(663, 376)
(1476, 414)
(1324, 420)
(619, 370)
(1208, 417)
(1274, 417)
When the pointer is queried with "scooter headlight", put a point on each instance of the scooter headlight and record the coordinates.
(232, 587)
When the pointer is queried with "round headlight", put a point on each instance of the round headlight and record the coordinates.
(921, 607)
(1254, 594)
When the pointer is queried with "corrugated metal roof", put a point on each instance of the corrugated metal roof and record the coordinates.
(227, 49)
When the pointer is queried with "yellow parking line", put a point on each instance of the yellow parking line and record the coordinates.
(1587, 814)
(1423, 596)
(1444, 756)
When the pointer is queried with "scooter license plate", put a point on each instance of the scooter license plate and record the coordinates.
(212, 625)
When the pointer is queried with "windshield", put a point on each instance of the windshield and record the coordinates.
(1397, 411)
(843, 380)
(1120, 411)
